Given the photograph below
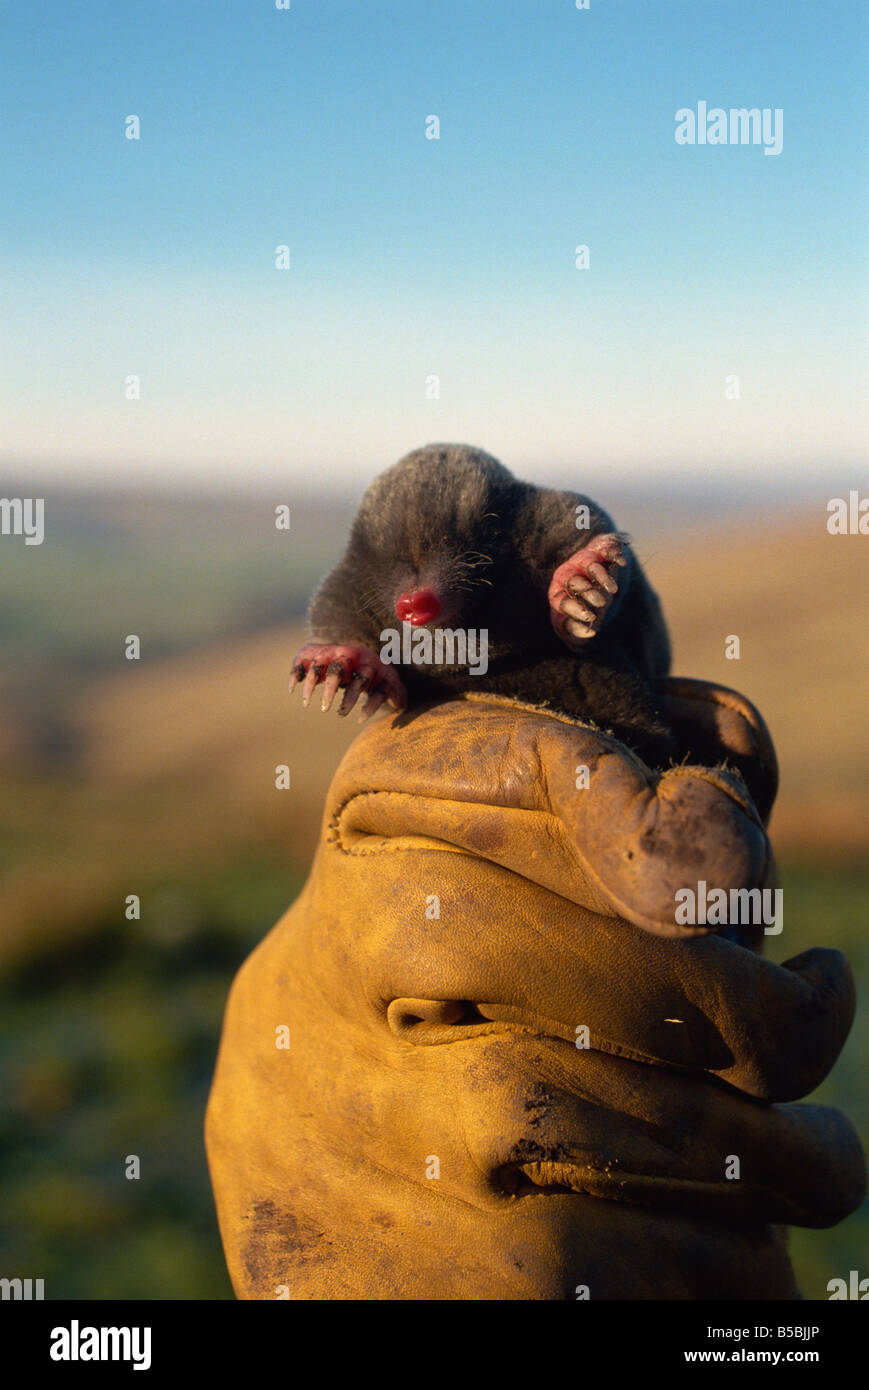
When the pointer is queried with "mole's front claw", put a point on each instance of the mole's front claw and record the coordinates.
(351, 695)
(373, 700)
(597, 571)
(330, 687)
(583, 588)
(311, 679)
(349, 667)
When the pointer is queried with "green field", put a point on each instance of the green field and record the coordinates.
(108, 1051)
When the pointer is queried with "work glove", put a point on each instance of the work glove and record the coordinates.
(497, 1049)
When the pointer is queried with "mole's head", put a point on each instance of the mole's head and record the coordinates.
(430, 535)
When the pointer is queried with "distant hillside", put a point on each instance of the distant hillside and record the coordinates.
(798, 599)
(180, 571)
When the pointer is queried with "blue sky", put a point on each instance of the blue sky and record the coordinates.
(413, 257)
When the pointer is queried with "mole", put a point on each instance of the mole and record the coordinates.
(540, 586)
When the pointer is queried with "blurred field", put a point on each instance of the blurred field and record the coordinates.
(156, 777)
(798, 599)
(144, 767)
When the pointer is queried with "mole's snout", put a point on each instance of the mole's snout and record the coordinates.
(418, 607)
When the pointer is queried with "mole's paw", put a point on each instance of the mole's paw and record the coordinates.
(583, 589)
(346, 666)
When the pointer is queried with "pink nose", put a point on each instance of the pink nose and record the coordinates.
(420, 606)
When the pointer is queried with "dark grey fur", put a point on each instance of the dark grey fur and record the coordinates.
(451, 517)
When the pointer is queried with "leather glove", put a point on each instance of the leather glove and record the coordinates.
(511, 1072)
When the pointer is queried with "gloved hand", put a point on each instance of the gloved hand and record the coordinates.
(476, 908)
